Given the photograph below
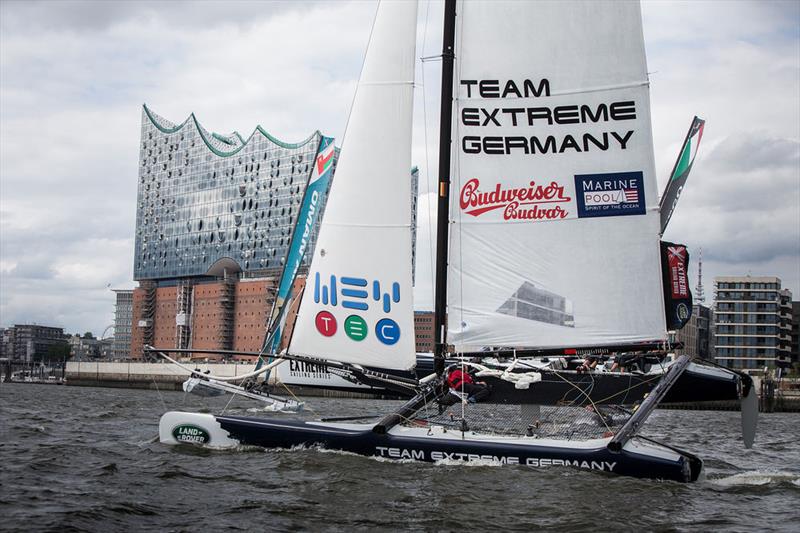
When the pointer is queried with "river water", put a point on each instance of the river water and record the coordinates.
(77, 458)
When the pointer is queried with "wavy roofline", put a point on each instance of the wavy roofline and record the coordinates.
(164, 129)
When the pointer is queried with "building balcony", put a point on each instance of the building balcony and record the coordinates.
(755, 335)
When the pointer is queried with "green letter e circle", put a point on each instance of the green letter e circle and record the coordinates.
(355, 327)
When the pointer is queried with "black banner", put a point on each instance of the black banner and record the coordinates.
(677, 294)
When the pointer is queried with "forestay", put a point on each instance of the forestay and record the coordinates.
(554, 205)
(357, 305)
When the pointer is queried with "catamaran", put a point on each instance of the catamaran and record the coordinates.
(546, 187)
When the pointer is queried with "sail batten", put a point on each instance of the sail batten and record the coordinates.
(553, 204)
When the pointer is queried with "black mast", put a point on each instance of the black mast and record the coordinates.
(446, 115)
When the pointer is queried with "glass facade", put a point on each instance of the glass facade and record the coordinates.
(203, 197)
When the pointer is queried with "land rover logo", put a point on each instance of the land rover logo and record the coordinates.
(190, 434)
(683, 311)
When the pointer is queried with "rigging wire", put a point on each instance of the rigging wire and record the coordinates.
(163, 403)
(431, 250)
(455, 176)
(361, 71)
(227, 404)
(296, 398)
(347, 122)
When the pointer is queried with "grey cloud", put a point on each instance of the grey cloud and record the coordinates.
(742, 202)
(30, 269)
(746, 176)
(755, 151)
(700, 22)
(748, 248)
(98, 16)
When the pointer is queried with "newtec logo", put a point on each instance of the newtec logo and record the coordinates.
(356, 294)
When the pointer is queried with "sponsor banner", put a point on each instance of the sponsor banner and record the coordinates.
(390, 452)
(313, 200)
(680, 172)
(677, 295)
(610, 194)
(312, 375)
(350, 298)
(533, 201)
(191, 434)
(593, 195)
(569, 144)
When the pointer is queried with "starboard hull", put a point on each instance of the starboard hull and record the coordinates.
(637, 459)
(698, 383)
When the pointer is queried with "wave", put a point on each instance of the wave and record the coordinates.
(758, 478)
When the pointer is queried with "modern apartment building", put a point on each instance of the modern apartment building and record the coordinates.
(752, 317)
(696, 335)
(30, 343)
(795, 335)
(84, 349)
(5, 343)
(123, 323)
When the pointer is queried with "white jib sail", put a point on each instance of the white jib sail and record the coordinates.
(357, 306)
(554, 240)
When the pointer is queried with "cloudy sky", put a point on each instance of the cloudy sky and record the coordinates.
(73, 78)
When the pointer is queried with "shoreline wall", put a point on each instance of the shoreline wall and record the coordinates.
(143, 375)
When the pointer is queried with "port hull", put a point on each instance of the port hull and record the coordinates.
(637, 459)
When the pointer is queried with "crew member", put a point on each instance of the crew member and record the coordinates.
(589, 364)
(460, 380)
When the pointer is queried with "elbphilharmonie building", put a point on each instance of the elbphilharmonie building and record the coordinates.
(204, 197)
(215, 217)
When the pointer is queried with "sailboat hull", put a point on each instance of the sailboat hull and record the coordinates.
(698, 383)
(432, 444)
(701, 383)
(566, 387)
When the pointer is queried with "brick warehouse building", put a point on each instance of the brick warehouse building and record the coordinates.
(423, 330)
(229, 314)
(215, 215)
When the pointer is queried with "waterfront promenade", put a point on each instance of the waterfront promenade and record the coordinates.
(138, 375)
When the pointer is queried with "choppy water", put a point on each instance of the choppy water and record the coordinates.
(77, 458)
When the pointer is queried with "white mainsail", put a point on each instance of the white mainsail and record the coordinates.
(554, 207)
(357, 306)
